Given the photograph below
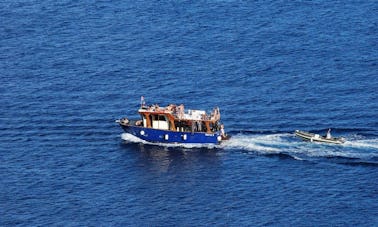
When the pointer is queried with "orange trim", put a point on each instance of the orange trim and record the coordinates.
(207, 123)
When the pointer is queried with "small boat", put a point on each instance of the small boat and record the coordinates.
(318, 138)
(173, 124)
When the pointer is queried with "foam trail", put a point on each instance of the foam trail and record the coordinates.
(263, 143)
(368, 143)
(298, 149)
(133, 139)
(284, 143)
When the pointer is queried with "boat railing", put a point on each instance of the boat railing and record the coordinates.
(180, 113)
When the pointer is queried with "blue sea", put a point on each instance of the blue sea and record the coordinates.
(69, 69)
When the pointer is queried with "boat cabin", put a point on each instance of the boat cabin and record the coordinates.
(175, 118)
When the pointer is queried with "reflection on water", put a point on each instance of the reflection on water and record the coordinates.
(162, 159)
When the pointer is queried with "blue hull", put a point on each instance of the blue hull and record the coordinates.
(165, 136)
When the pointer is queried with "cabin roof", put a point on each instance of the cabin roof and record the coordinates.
(179, 113)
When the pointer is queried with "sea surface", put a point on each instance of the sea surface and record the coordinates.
(69, 69)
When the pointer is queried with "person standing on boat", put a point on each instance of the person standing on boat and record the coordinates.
(223, 134)
(329, 136)
(142, 102)
(215, 115)
(181, 111)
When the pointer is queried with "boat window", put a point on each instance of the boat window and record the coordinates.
(158, 117)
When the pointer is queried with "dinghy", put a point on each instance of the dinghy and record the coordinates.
(318, 138)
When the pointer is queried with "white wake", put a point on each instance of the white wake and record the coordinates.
(133, 139)
(289, 144)
(285, 143)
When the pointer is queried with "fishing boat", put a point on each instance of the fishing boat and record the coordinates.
(174, 124)
(318, 138)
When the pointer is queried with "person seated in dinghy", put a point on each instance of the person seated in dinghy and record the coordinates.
(328, 135)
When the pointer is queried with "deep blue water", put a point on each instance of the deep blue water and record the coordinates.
(69, 69)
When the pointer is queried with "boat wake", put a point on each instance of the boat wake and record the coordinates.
(364, 143)
(258, 143)
(288, 144)
(356, 149)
